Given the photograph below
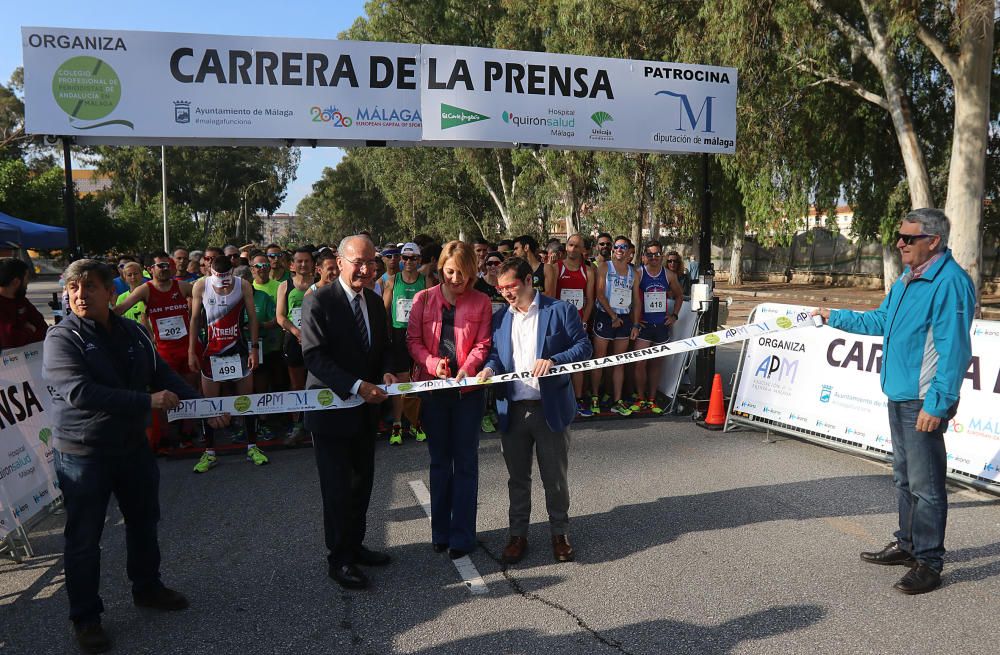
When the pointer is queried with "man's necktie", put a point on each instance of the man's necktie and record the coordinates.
(359, 320)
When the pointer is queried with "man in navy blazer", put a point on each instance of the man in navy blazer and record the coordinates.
(535, 334)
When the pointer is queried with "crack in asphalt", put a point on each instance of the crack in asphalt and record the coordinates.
(515, 585)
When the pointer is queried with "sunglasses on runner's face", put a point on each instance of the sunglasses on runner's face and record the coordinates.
(604, 244)
(908, 239)
(673, 261)
(621, 246)
(263, 265)
(162, 266)
(207, 259)
(410, 258)
(492, 263)
(273, 255)
(654, 254)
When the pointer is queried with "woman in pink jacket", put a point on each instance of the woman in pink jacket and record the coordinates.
(448, 336)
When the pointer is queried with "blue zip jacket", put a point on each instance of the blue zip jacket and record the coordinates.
(101, 381)
(924, 324)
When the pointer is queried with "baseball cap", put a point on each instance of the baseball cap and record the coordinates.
(409, 248)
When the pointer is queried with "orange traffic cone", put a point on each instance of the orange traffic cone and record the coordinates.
(716, 417)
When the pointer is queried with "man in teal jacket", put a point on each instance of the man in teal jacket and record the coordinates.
(924, 322)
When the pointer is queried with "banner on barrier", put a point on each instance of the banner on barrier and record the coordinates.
(27, 477)
(117, 86)
(826, 382)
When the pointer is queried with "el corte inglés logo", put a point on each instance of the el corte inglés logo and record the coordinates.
(455, 116)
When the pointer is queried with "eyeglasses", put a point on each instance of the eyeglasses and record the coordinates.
(371, 263)
(262, 265)
(208, 259)
(654, 254)
(162, 266)
(621, 246)
(908, 239)
(410, 258)
(673, 261)
(273, 255)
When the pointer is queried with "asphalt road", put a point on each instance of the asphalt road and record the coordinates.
(687, 541)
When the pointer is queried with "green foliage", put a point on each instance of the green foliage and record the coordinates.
(343, 202)
(32, 197)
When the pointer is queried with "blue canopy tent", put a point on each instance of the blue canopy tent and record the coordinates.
(32, 235)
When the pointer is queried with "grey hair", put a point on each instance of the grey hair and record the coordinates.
(932, 221)
(342, 248)
(81, 269)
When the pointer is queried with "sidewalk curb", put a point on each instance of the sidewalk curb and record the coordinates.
(989, 313)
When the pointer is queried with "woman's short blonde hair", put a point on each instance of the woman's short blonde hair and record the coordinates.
(464, 256)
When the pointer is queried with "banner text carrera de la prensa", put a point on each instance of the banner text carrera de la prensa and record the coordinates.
(263, 67)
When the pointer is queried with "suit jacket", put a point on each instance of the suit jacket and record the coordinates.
(335, 357)
(562, 339)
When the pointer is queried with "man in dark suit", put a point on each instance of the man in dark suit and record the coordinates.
(536, 333)
(344, 339)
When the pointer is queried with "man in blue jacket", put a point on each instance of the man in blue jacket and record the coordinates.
(534, 334)
(106, 376)
(924, 322)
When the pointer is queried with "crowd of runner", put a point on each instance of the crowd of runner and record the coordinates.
(228, 320)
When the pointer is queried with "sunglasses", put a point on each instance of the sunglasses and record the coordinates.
(162, 266)
(410, 258)
(908, 239)
(491, 264)
(262, 266)
(208, 259)
(621, 246)
(673, 261)
(654, 254)
(603, 244)
(273, 255)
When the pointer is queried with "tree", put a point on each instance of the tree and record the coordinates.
(343, 202)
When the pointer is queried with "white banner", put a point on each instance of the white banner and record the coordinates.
(482, 96)
(128, 87)
(27, 477)
(122, 86)
(826, 382)
(316, 399)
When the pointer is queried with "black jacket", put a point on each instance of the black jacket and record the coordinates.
(101, 381)
(334, 356)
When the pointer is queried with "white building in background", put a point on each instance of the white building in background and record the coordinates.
(278, 228)
(843, 220)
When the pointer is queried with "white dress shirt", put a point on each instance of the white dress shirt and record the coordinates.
(524, 343)
(351, 294)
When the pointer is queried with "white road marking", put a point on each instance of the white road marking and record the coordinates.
(466, 569)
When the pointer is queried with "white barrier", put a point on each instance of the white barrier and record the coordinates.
(823, 385)
(27, 477)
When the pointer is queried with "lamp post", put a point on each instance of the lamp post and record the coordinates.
(246, 216)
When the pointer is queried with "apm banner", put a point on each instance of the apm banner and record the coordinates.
(825, 383)
(482, 96)
(121, 87)
(27, 477)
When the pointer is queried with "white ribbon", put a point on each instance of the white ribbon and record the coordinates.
(319, 399)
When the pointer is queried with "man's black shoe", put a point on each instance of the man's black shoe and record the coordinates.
(161, 598)
(891, 555)
(366, 557)
(349, 576)
(919, 580)
(91, 637)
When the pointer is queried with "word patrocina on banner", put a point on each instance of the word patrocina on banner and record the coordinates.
(319, 399)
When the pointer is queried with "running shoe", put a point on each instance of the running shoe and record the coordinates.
(418, 433)
(621, 408)
(297, 436)
(264, 432)
(255, 455)
(396, 436)
(651, 406)
(583, 408)
(595, 405)
(487, 425)
(240, 434)
(207, 461)
(637, 404)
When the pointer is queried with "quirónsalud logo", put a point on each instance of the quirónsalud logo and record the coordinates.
(455, 116)
(88, 89)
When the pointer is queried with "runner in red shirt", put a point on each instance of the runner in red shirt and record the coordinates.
(20, 322)
(571, 280)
